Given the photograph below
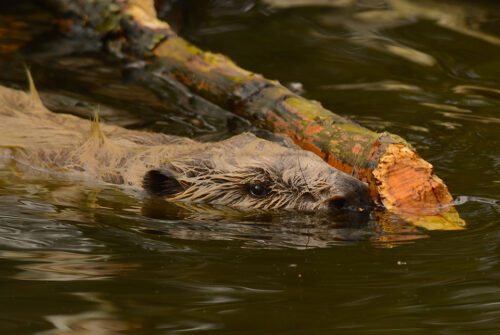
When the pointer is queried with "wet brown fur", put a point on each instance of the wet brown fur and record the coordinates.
(183, 169)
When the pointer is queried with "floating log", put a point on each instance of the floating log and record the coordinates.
(398, 177)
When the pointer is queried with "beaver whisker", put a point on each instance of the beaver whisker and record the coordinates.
(275, 203)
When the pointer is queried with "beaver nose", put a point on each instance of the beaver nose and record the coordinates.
(355, 197)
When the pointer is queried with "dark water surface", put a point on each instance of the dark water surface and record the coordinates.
(83, 258)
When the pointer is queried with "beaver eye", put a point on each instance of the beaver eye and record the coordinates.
(258, 190)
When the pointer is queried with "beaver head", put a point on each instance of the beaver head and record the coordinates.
(248, 172)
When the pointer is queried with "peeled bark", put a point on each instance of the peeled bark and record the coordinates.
(398, 177)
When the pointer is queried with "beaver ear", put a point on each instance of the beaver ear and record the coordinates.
(161, 182)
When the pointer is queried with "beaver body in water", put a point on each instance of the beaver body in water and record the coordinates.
(243, 171)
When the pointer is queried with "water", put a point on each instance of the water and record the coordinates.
(83, 258)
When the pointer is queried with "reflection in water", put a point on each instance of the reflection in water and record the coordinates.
(462, 18)
(386, 85)
(274, 228)
(394, 231)
(446, 14)
(457, 113)
(478, 92)
(99, 321)
(365, 26)
(64, 266)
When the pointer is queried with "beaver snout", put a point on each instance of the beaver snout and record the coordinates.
(354, 197)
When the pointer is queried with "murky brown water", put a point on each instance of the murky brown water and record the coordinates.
(91, 259)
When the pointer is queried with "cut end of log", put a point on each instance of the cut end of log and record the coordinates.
(143, 11)
(408, 187)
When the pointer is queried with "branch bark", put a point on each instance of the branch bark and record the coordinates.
(398, 177)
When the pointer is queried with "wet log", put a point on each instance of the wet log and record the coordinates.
(399, 178)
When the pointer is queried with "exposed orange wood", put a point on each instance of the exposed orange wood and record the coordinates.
(406, 183)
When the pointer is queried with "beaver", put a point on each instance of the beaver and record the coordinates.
(243, 171)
